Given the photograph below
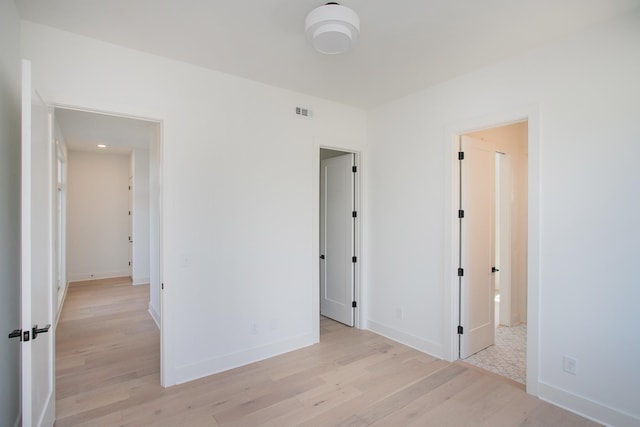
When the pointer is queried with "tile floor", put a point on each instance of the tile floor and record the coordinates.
(508, 356)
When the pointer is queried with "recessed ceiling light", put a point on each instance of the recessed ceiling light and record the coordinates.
(102, 146)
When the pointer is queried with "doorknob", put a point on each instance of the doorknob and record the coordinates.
(493, 269)
(16, 333)
(322, 256)
(35, 331)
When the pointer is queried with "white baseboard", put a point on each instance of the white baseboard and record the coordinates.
(61, 304)
(587, 408)
(93, 276)
(425, 346)
(140, 280)
(224, 363)
(154, 314)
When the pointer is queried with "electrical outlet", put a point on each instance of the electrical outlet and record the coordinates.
(570, 365)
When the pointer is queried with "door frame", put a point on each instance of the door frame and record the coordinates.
(164, 347)
(452, 193)
(358, 316)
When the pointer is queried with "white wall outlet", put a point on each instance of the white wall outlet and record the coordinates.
(570, 365)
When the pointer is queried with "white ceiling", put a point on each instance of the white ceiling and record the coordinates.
(83, 131)
(404, 46)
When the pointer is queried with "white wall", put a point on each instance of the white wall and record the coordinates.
(140, 172)
(239, 194)
(9, 212)
(97, 220)
(586, 90)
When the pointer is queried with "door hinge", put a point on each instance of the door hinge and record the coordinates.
(354, 259)
(460, 330)
(129, 187)
(460, 155)
(460, 272)
(354, 169)
(461, 213)
(354, 214)
(16, 333)
(161, 285)
(354, 304)
(129, 263)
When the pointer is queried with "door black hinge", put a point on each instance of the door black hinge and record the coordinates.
(354, 304)
(460, 330)
(354, 259)
(460, 272)
(161, 285)
(354, 169)
(129, 187)
(460, 155)
(129, 213)
(129, 263)
(460, 213)
(354, 214)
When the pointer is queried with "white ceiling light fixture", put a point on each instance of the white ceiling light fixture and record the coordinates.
(332, 28)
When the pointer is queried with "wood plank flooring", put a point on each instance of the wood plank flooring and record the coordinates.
(108, 364)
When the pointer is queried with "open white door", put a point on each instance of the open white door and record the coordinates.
(131, 227)
(37, 284)
(337, 238)
(477, 177)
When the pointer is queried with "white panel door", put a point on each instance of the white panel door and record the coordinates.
(337, 238)
(131, 226)
(37, 284)
(477, 178)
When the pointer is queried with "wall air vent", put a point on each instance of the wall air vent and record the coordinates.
(304, 112)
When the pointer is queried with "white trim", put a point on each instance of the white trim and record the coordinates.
(154, 314)
(140, 281)
(18, 422)
(585, 407)
(61, 303)
(205, 368)
(451, 293)
(432, 348)
(95, 276)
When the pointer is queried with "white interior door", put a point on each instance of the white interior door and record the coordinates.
(477, 178)
(337, 238)
(131, 226)
(37, 284)
(504, 199)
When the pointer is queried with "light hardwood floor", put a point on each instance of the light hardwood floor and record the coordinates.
(107, 373)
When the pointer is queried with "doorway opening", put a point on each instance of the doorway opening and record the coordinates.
(493, 244)
(111, 210)
(338, 240)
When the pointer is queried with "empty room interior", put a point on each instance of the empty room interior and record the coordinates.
(307, 213)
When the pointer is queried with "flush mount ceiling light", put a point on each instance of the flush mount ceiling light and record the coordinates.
(332, 28)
